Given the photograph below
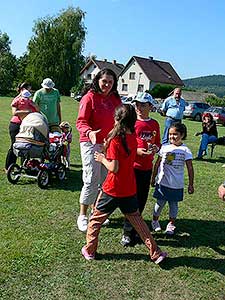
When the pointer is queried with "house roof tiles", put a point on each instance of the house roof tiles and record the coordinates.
(101, 64)
(157, 71)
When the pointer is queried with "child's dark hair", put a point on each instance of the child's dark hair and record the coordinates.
(181, 128)
(95, 83)
(125, 118)
(24, 85)
(210, 116)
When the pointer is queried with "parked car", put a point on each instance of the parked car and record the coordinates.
(127, 99)
(218, 114)
(77, 97)
(156, 105)
(194, 110)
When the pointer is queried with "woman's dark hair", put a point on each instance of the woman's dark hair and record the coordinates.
(209, 116)
(125, 118)
(24, 85)
(95, 83)
(181, 128)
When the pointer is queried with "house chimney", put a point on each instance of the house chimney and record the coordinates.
(150, 57)
(114, 61)
(105, 60)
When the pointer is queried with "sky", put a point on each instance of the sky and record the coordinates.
(188, 34)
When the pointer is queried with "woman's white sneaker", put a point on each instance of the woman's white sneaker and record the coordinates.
(82, 223)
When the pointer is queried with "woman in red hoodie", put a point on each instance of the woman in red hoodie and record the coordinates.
(95, 120)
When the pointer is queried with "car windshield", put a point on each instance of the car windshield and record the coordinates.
(218, 110)
(212, 109)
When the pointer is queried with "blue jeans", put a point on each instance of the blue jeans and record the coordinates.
(205, 140)
(173, 208)
(168, 123)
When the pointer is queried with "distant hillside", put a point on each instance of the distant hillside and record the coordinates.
(212, 84)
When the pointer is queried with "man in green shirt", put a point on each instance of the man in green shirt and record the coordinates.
(48, 100)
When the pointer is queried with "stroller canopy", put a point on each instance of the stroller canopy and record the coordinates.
(32, 124)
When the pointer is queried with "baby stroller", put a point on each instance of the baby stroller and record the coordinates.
(40, 159)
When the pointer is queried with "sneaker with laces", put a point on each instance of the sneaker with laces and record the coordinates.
(162, 256)
(126, 240)
(155, 225)
(86, 255)
(82, 223)
(170, 228)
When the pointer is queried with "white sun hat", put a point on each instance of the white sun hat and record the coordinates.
(48, 83)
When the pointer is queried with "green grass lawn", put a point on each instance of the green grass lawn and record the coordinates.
(40, 244)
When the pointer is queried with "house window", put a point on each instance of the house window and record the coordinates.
(140, 88)
(124, 87)
(132, 76)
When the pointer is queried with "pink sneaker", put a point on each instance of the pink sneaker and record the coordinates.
(170, 228)
(86, 255)
(162, 256)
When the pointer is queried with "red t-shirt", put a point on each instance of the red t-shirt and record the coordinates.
(147, 131)
(21, 103)
(122, 183)
(96, 112)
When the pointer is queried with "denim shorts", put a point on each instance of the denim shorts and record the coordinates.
(168, 194)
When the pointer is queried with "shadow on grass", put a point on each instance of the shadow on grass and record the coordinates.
(122, 256)
(190, 233)
(76, 165)
(72, 182)
(195, 233)
(210, 264)
(220, 159)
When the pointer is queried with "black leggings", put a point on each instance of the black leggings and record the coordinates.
(11, 157)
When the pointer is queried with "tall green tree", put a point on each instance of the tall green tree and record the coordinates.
(161, 91)
(21, 69)
(7, 64)
(55, 50)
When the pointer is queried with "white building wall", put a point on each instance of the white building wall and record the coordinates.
(93, 70)
(140, 78)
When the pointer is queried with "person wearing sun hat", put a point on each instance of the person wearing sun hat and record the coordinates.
(48, 100)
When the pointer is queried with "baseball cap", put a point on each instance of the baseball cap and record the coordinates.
(48, 83)
(143, 98)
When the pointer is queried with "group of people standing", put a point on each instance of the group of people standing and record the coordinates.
(118, 143)
(46, 100)
(122, 139)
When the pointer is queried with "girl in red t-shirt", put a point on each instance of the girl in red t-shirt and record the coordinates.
(119, 188)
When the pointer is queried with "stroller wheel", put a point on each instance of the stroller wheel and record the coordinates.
(13, 173)
(43, 179)
(61, 172)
